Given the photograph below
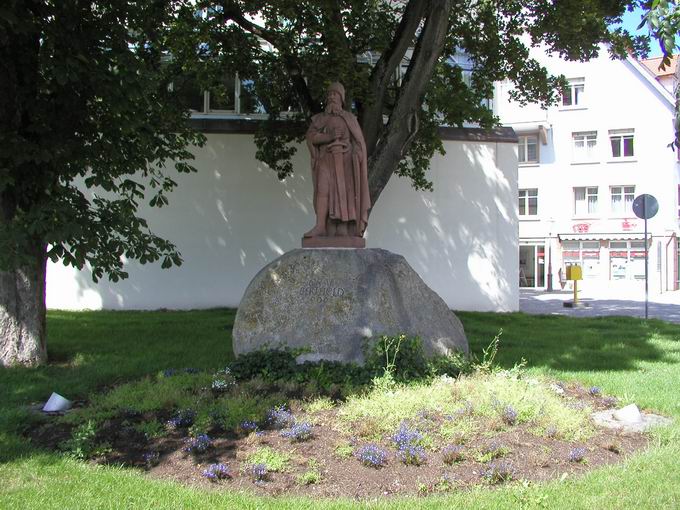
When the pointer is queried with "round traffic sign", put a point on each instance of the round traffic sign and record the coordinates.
(645, 206)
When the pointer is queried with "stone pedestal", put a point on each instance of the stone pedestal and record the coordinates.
(331, 300)
(334, 242)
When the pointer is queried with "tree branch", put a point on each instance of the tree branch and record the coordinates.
(402, 125)
(372, 120)
(231, 11)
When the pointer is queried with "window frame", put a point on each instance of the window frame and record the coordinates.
(621, 135)
(522, 141)
(587, 193)
(575, 91)
(624, 191)
(584, 155)
(525, 200)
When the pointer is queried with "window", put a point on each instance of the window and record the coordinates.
(528, 202)
(622, 143)
(232, 95)
(584, 146)
(622, 200)
(527, 149)
(584, 253)
(574, 93)
(585, 201)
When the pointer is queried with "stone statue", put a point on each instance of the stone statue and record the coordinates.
(339, 175)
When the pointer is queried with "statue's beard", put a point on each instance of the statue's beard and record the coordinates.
(333, 108)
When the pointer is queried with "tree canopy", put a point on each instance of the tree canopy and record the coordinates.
(92, 111)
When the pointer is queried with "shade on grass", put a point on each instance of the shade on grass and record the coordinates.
(635, 359)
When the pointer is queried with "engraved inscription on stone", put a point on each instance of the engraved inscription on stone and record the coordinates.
(321, 291)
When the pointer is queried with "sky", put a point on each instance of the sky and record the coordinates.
(630, 22)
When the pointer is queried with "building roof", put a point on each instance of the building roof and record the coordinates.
(652, 64)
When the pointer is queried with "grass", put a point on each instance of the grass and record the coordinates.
(90, 351)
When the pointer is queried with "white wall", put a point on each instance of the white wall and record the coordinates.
(234, 216)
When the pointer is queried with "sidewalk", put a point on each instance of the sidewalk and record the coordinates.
(603, 301)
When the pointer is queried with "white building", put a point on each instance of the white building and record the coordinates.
(582, 162)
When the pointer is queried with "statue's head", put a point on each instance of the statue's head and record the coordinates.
(335, 89)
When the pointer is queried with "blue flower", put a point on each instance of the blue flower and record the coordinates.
(577, 454)
(198, 444)
(371, 455)
(217, 472)
(299, 432)
(182, 418)
(280, 418)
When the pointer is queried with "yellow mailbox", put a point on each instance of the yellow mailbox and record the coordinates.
(574, 273)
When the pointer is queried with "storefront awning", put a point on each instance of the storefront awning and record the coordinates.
(612, 236)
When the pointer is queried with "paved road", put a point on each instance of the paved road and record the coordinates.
(609, 301)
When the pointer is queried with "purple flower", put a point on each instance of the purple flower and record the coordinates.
(509, 415)
(452, 454)
(371, 455)
(182, 418)
(151, 458)
(595, 391)
(299, 432)
(406, 436)
(258, 472)
(248, 426)
(412, 454)
(217, 472)
(577, 454)
(498, 472)
(280, 418)
(198, 444)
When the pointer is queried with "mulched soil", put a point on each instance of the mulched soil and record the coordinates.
(531, 457)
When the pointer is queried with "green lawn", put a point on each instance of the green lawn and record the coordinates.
(89, 351)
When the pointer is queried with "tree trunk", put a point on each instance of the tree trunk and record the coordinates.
(22, 313)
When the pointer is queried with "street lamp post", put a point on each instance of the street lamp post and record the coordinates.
(549, 287)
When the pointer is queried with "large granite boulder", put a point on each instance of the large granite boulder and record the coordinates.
(331, 300)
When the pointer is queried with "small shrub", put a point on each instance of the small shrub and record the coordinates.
(280, 418)
(221, 385)
(216, 472)
(452, 454)
(151, 459)
(319, 404)
(412, 455)
(182, 419)
(344, 451)
(509, 415)
(248, 426)
(198, 444)
(150, 429)
(309, 477)
(298, 433)
(406, 436)
(491, 451)
(400, 355)
(498, 472)
(274, 461)
(577, 454)
(371, 455)
(258, 472)
(82, 444)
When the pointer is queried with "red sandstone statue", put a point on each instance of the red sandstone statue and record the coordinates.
(339, 174)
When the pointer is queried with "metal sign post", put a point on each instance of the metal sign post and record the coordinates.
(645, 207)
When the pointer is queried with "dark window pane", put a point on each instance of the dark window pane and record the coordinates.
(628, 146)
